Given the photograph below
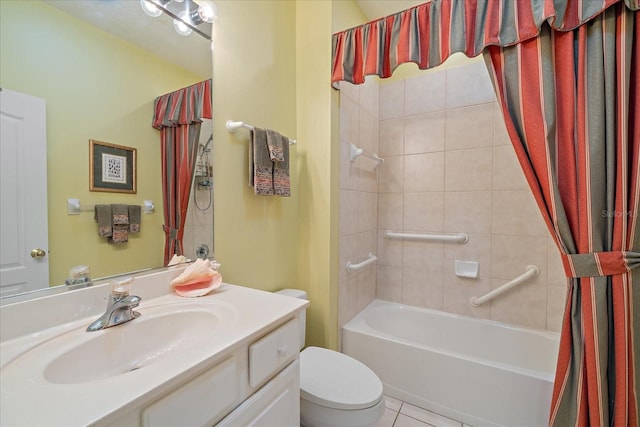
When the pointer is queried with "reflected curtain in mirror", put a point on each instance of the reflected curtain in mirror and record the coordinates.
(178, 115)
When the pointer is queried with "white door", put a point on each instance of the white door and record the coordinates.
(24, 244)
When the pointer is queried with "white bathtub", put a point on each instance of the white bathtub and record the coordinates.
(480, 372)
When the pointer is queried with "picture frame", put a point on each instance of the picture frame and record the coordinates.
(112, 167)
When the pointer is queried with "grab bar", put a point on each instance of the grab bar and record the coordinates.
(430, 237)
(370, 260)
(532, 271)
(234, 126)
(356, 152)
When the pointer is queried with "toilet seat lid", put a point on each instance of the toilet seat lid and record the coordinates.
(335, 380)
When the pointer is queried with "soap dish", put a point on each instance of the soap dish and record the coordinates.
(467, 269)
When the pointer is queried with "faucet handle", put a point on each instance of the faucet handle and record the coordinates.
(121, 287)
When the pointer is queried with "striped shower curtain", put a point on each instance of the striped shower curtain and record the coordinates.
(571, 102)
(567, 76)
(178, 115)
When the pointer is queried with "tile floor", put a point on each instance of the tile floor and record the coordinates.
(403, 414)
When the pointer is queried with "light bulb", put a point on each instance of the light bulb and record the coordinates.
(207, 11)
(150, 8)
(180, 26)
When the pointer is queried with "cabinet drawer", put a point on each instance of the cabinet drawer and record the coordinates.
(272, 352)
(200, 402)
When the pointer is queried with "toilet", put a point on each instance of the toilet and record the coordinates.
(336, 390)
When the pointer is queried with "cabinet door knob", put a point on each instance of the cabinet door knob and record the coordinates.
(282, 351)
(38, 253)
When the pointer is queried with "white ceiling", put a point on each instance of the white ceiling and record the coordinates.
(374, 9)
(127, 20)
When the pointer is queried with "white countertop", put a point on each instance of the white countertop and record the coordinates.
(28, 399)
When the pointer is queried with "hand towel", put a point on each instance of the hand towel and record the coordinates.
(102, 215)
(134, 218)
(119, 235)
(281, 180)
(120, 214)
(275, 143)
(119, 224)
(260, 163)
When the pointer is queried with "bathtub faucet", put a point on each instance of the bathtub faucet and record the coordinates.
(120, 307)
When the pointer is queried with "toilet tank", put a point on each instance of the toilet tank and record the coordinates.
(297, 293)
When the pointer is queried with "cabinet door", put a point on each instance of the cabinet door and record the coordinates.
(201, 401)
(277, 404)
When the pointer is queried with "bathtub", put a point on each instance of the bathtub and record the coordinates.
(480, 372)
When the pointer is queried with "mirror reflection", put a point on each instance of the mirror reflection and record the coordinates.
(97, 67)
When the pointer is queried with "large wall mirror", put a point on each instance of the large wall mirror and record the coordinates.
(98, 65)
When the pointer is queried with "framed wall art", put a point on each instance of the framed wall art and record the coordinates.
(112, 168)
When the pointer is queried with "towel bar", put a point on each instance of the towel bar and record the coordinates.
(234, 126)
(74, 208)
(356, 152)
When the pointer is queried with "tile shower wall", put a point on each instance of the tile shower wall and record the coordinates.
(199, 225)
(358, 197)
(449, 167)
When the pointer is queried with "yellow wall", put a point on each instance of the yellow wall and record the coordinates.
(256, 237)
(272, 65)
(319, 153)
(272, 69)
(346, 14)
(409, 70)
(96, 87)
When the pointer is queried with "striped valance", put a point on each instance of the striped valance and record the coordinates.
(429, 33)
(184, 106)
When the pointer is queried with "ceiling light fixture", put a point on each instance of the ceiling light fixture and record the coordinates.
(181, 25)
(186, 17)
(206, 11)
(153, 8)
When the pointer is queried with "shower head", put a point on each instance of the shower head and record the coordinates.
(204, 147)
(208, 142)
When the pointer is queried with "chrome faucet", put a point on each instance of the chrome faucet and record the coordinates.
(120, 307)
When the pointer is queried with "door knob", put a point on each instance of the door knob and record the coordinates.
(38, 253)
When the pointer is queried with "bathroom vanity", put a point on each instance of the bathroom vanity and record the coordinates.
(230, 358)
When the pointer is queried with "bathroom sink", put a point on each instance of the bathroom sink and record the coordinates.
(178, 350)
(162, 332)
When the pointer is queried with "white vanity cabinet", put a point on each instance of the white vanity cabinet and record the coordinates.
(258, 384)
(201, 401)
(239, 369)
(276, 404)
(261, 381)
(273, 359)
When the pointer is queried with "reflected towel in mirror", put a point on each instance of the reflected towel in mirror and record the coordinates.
(119, 224)
(102, 215)
(134, 218)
